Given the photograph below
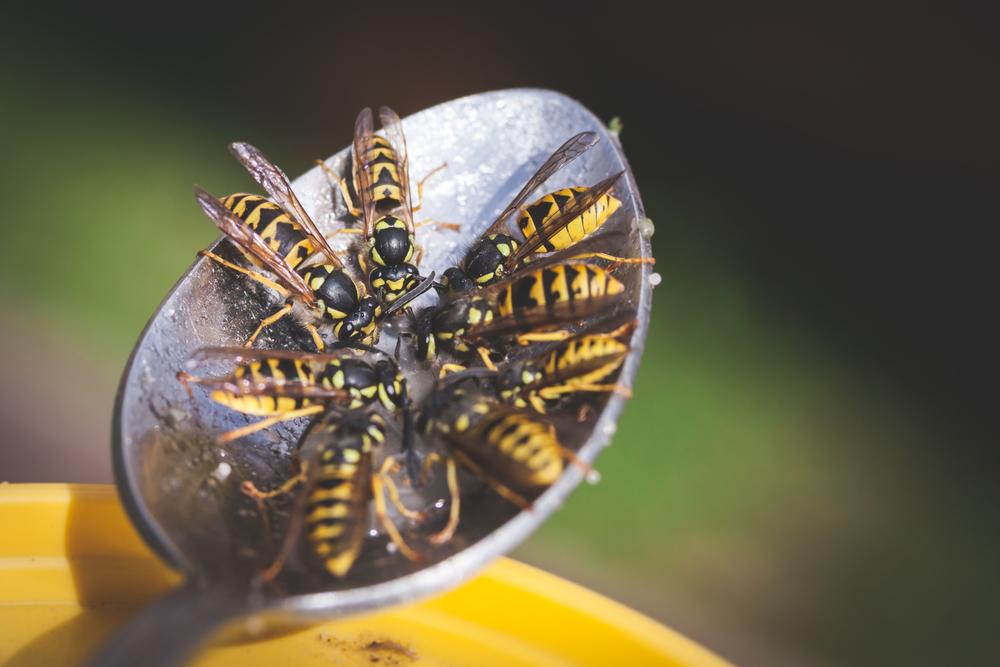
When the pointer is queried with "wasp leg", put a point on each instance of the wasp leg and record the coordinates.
(543, 336)
(420, 186)
(552, 393)
(537, 402)
(503, 491)
(619, 389)
(484, 354)
(317, 339)
(345, 230)
(253, 274)
(453, 226)
(291, 536)
(383, 518)
(344, 191)
(616, 259)
(186, 379)
(389, 466)
(250, 489)
(571, 456)
(455, 494)
(268, 321)
(450, 368)
(362, 263)
(623, 329)
(418, 255)
(238, 433)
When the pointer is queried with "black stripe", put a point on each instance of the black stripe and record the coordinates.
(330, 483)
(561, 200)
(521, 298)
(548, 278)
(328, 522)
(510, 430)
(326, 503)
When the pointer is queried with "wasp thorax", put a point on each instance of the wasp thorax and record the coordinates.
(360, 323)
(457, 281)
(391, 385)
(484, 263)
(335, 290)
(392, 282)
(392, 243)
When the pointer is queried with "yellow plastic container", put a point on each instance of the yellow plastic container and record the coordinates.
(72, 569)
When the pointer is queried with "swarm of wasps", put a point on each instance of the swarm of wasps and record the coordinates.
(527, 323)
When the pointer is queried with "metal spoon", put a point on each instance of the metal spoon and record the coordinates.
(182, 490)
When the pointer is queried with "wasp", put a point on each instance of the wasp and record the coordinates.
(507, 447)
(580, 363)
(555, 221)
(281, 385)
(338, 481)
(278, 235)
(380, 175)
(530, 304)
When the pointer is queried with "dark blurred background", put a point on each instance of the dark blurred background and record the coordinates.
(806, 474)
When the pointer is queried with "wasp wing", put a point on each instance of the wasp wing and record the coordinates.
(573, 148)
(591, 311)
(363, 131)
(243, 355)
(247, 239)
(276, 184)
(603, 242)
(393, 128)
(580, 204)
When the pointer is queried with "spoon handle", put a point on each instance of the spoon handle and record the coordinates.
(168, 631)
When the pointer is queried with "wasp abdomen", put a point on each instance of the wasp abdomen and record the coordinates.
(337, 507)
(520, 448)
(284, 371)
(273, 225)
(382, 164)
(544, 288)
(535, 215)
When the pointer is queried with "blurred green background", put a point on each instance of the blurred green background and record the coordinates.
(806, 473)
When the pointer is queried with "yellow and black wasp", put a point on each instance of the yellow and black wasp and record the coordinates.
(338, 481)
(380, 175)
(555, 221)
(278, 235)
(509, 448)
(579, 364)
(281, 385)
(533, 304)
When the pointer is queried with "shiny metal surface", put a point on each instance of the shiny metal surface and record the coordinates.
(181, 489)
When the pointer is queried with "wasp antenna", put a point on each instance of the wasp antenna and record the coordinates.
(424, 285)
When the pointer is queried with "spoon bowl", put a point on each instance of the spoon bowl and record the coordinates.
(181, 488)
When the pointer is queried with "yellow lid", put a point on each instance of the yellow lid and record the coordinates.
(72, 569)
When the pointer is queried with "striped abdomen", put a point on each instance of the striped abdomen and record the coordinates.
(272, 224)
(382, 163)
(546, 288)
(535, 215)
(585, 360)
(336, 509)
(514, 446)
(275, 372)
